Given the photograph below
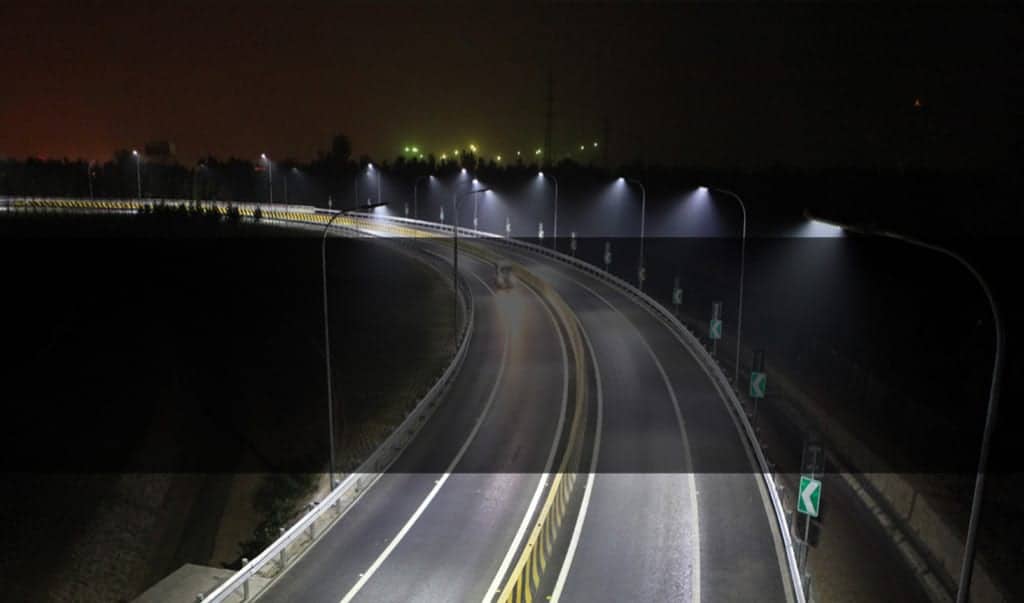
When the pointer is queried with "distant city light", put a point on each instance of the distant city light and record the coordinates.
(498, 158)
(595, 145)
(537, 152)
(583, 147)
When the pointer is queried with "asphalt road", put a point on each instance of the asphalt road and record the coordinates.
(676, 512)
(439, 524)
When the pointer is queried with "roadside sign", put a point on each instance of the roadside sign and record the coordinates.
(808, 501)
(715, 332)
(758, 384)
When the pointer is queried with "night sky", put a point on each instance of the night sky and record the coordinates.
(699, 84)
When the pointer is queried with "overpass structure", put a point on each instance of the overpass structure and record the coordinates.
(568, 453)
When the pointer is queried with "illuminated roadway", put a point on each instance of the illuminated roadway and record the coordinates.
(439, 524)
(674, 512)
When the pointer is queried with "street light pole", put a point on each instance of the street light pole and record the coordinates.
(455, 260)
(970, 546)
(327, 347)
(138, 173)
(415, 198)
(743, 258)
(270, 178)
(554, 238)
(643, 221)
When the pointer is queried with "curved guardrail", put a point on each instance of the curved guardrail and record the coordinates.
(270, 563)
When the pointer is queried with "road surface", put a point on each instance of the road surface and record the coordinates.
(439, 524)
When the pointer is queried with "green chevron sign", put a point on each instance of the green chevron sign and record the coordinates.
(809, 499)
(758, 383)
(716, 328)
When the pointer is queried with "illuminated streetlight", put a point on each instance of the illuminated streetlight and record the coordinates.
(643, 220)
(554, 244)
(138, 173)
(703, 190)
(455, 258)
(967, 562)
(415, 199)
(270, 176)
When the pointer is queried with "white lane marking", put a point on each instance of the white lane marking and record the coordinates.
(444, 478)
(493, 589)
(577, 529)
(694, 516)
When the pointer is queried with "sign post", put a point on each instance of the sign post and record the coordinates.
(758, 380)
(715, 330)
(508, 227)
(540, 231)
(677, 295)
(607, 256)
(572, 243)
(808, 494)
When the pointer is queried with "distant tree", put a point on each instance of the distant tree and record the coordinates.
(341, 149)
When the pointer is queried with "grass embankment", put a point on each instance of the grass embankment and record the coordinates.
(171, 367)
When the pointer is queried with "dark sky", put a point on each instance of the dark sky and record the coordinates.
(707, 84)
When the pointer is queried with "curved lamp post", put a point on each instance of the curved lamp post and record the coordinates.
(270, 178)
(554, 238)
(327, 339)
(415, 198)
(970, 546)
(455, 259)
(138, 173)
(643, 220)
(743, 260)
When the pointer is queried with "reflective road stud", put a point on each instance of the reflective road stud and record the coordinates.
(809, 499)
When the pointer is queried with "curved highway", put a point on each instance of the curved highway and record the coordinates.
(677, 511)
(440, 523)
(673, 511)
